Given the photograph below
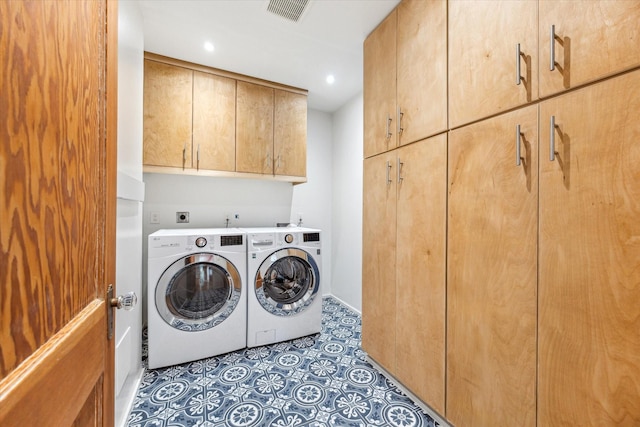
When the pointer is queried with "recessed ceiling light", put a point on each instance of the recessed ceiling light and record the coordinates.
(331, 79)
(208, 46)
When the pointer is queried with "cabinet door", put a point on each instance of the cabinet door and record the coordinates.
(167, 115)
(290, 134)
(420, 269)
(254, 128)
(421, 69)
(592, 39)
(379, 260)
(214, 122)
(491, 272)
(380, 88)
(589, 316)
(483, 39)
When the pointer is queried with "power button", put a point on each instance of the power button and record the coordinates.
(201, 242)
(288, 238)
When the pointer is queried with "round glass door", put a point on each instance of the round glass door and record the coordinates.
(287, 282)
(198, 292)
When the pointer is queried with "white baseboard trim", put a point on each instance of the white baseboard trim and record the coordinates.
(426, 408)
(349, 306)
(124, 401)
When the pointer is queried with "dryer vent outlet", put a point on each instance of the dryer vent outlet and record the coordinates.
(182, 217)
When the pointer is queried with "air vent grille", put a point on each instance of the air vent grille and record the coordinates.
(289, 9)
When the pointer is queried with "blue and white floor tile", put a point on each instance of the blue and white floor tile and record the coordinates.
(316, 381)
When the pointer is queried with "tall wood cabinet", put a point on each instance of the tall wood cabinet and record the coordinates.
(584, 53)
(589, 269)
(491, 279)
(404, 272)
(290, 133)
(492, 57)
(254, 128)
(405, 76)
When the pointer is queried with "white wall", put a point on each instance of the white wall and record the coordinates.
(346, 251)
(128, 333)
(258, 203)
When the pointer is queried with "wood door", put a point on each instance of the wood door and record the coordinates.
(483, 36)
(379, 260)
(167, 115)
(214, 122)
(290, 133)
(57, 246)
(593, 39)
(380, 88)
(491, 272)
(421, 69)
(589, 286)
(254, 128)
(421, 269)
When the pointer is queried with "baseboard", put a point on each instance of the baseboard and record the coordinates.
(349, 306)
(426, 408)
(124, 401)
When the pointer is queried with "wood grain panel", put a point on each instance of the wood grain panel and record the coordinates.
(254, 128)
(589, 317)
(482, 57)
(167, 115)
(593, 39)
(52, 110)
(380, 87)
(422, 68)
(379, 261)
(421, 269)
(491, 273)
(214, 122)
(56, 382)
(290, 134)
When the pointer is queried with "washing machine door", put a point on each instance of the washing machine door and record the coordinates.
(198, 292)
(287, 282)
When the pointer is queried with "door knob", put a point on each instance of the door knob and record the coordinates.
(126, 301)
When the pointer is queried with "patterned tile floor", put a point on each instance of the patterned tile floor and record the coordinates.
(315, 381)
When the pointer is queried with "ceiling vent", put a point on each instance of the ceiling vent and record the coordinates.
(289, 9)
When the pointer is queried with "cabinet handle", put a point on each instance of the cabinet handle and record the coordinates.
(198, 158)
(518, 73)
(388, 172)
(400, 114)
(552, 49)
(400, 164)
(518, 138)
(388, 133)
(184, 155)
(552, 139)
(277, 167)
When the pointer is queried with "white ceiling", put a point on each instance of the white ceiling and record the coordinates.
(250, 40)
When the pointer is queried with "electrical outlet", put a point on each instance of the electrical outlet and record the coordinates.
(154, 218)
(182, 217)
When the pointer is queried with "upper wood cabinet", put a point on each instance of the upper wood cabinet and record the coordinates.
(204, 121)
(254, 128)
(589, 270)
(379, 88)
(585, 41)
(493, 59)
(214, 117)
(405, 76)
(290, 134)
(271, 131)
(167, 115)
(491, 271)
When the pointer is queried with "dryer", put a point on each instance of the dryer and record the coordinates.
(196, 299)
(284, 299)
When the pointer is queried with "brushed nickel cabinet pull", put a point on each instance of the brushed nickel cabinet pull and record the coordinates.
(388, 132)
(389, 173)
(518, 73)
(400, 164)
(400, 114)
(552, 139)
(552, 48)
(518, 138)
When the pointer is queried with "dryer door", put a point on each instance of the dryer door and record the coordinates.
(198, 292)
(287, 282)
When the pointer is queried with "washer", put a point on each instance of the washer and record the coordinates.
(196, 297)
(283, 268)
